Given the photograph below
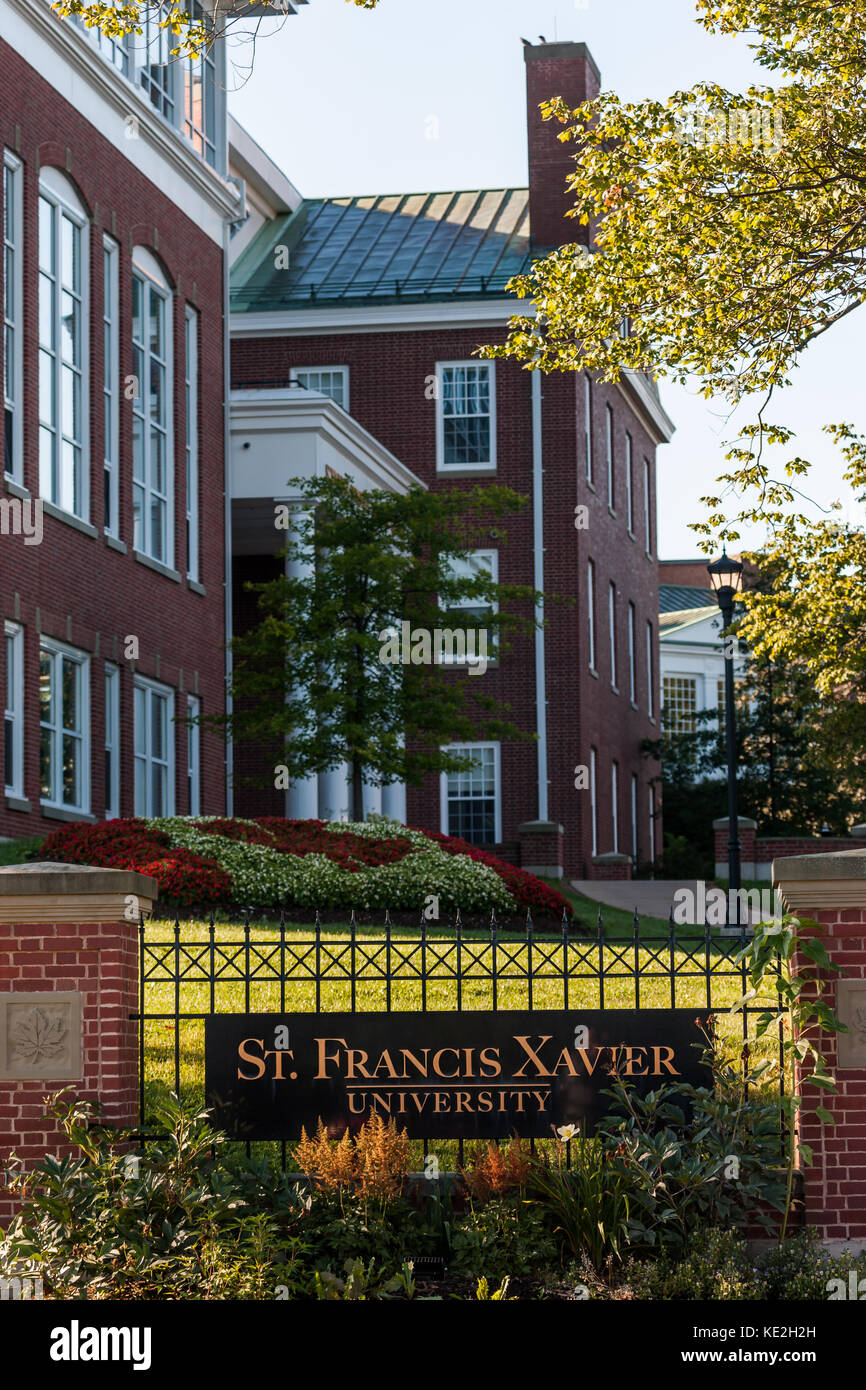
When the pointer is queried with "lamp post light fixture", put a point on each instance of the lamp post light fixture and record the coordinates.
(726, 577)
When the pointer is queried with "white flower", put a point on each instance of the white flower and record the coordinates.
(566, 1132)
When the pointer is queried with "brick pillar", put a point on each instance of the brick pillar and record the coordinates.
(748, 830)
(541, 848)
(611, 866)
(68, 988)
(831, 889)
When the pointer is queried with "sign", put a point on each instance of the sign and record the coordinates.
(439, 1075)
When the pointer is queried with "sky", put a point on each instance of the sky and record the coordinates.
(420, 95)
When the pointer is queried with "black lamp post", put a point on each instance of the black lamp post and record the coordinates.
(726, 577)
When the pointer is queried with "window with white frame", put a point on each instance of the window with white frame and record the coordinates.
(329, 381)
(611, 622)
(590, 606)
(191, 437)
(63, 344)
(587, 424)
(112, 742)
(651, 825)
(629, 484)
(200, 98)
(634, 787)
(469, 614)
(632, 656)
(193, 756)
(152, 463)
(153, 718)
(465, 415)
(647, 508)
(157, 67)
(14, 728)
(650, 672)
(611, 482)
(12, 299)
(471, 799)
(593, 798)
(679, 704)
(111, 381)
(64, 718)
(614, 805)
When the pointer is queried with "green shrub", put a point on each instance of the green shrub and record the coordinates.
(502, 1237)
(717, 1265)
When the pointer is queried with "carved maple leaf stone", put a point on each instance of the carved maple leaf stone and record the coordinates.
(39, 1036)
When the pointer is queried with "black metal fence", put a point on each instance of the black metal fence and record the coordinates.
(190, 972)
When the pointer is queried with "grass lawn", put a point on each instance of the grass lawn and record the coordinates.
(651, 976)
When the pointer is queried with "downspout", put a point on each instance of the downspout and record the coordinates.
(227, 497)
(538, 582)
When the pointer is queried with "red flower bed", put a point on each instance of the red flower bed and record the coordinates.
(193, 880)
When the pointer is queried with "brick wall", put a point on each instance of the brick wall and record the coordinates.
(76, 587)
(96, 960)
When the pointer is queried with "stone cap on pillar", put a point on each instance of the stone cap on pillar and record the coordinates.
(743, 823)
(50, 892)
(540, 827)
(611, 857)
(815, 881)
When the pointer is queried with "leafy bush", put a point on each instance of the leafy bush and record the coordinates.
(272, 863)
(587, 1200)
(502, 1237)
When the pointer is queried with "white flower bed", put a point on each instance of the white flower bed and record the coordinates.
(263, 877)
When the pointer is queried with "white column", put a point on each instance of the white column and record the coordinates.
(372, 799)
(334, 793)
(302, 798)
(394, 801)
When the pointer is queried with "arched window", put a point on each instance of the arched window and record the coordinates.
(63, 340)
(152, 462)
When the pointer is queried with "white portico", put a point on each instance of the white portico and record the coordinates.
(278, 433)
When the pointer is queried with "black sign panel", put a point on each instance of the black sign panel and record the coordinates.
(439, 1075)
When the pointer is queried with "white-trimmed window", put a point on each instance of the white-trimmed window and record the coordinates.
(64, 717)
(679, 704)
(14, 728)
(634, 785)
(593, 798)
(650, 672)
(329, 381)
(157, 67)
(629, 483)
(632, 656)
(111, 380)
(63, 345)
(470, 614)
(647, 508)
(13, 369)
(152, 462)
(191, 437)
(587, 424)
(611, 622)
(112, 742)
(465, 415)
(200, 98)
(651, 825)
(154, 748)
(608, 438)
(193, 756)
(614, 805)
(590, 611)
(471, 800)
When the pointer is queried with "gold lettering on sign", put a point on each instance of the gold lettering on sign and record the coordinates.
(256, 1061)
(630, 1061)
(664, 1062)
(325, 1057)
(441, 1053)
(532, 1055)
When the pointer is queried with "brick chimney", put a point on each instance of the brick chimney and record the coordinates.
(564, 70)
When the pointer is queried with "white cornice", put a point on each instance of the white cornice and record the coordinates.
(655, 419)
(125, 98)
(292, 409)
(372, 318)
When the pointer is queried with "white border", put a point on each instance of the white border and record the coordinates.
(148, 685)
(55, 648)
(15, 165)
(497, 786)
(16, 786)
(445, 468)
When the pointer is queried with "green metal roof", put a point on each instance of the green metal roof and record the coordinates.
(675, 598)
(383, 249)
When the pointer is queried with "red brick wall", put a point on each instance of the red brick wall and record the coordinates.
(387, 375)
(835, 1183)
(100, 961)
(75, 586)
(554, 70)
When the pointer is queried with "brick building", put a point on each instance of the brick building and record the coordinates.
(117, 210)
(366, 313)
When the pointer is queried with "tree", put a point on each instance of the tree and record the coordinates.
(727, 227)
(345, 664)
(192, 35)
